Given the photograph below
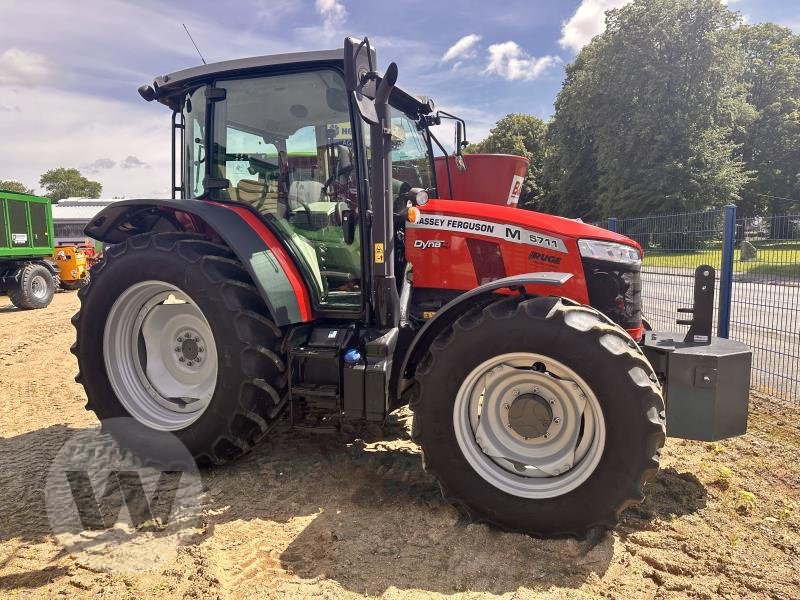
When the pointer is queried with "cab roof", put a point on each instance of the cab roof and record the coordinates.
(171, 88)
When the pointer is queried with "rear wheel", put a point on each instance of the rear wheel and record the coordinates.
(539, 415)
(35, 288)
(172, 333)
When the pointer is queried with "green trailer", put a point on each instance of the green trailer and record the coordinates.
(27, 272)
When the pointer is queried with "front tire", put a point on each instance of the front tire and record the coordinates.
(154, 305)
(539, 416)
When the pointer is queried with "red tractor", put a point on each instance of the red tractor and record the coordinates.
(310, 263)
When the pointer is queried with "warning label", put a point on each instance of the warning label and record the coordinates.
(516, 190)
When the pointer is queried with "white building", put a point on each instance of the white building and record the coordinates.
(71, 215)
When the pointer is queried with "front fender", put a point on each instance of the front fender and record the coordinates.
(456, 307)
(269, 264)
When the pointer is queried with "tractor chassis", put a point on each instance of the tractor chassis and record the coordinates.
(706, 378)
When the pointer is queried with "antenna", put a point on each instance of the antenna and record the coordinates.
(193, 44)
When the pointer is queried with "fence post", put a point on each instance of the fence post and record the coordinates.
(612, 224)
(726, 272)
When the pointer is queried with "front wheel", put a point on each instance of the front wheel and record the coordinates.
(539, 415)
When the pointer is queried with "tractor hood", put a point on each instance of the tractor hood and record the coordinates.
(530, 220)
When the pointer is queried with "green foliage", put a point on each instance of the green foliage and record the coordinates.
(523, 135)
(63, 183)
(771, 143)
(11, 185)
(644, 122)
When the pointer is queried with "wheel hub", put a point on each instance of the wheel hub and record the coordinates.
(190, 349)
(160, 355)
(529, 425)
(530, 416)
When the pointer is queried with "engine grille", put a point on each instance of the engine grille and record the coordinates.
(615, 290)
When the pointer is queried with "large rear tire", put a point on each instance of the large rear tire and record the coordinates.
(172, 332)
(35, 289)
(539, 416)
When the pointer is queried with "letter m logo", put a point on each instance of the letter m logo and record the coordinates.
(512, 234)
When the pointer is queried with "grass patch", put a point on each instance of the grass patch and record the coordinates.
(774, 259)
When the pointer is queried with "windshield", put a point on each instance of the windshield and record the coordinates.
(411, 159)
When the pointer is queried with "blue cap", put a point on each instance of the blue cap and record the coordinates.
(352, 356)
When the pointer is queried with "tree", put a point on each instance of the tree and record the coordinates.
(11, 185)
(523, 135)
(771, 142)
(63, 183)
(644, 121)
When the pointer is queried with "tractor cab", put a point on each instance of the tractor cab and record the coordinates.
(286, 140)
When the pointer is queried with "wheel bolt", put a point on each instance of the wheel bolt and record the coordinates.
(181, 359)
(197, 360)
(535, 390)
(180, 339)
(190, 363)
(200, 349)
(552, 402)
(507, 406)
(546, 435)
(516, 392)
(557, 420)
(177, 348)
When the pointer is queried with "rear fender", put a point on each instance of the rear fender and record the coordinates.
(459, 305)
(269, 264)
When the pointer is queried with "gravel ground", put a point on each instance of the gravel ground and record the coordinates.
(315, 516)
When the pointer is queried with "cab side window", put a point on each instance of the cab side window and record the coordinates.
(283, 143)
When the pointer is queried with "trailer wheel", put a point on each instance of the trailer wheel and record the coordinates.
(75, 284)
(539, 416)
(35, 289)
(172, 332)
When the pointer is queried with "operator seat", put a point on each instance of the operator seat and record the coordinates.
(304, 191)
(257, 194)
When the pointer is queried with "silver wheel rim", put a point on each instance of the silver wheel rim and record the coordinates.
(160, 355)
(529, 425)
(39, 287)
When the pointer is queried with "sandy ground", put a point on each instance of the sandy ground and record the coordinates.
(312, 516)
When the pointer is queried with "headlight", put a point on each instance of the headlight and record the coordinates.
(609, 251)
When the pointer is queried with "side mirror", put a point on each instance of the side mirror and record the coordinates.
(460, 142)
(359, 76)
(348, 226)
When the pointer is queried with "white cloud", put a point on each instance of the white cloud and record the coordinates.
(332, 11)
(22, 68)
(55, 128)
(462, 48)
(588, 21)
(511, 62)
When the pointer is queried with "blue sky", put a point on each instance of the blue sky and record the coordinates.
(68, 86)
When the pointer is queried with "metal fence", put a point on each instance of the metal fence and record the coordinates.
(758, 282)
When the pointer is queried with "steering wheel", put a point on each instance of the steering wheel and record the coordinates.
(332, 179)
